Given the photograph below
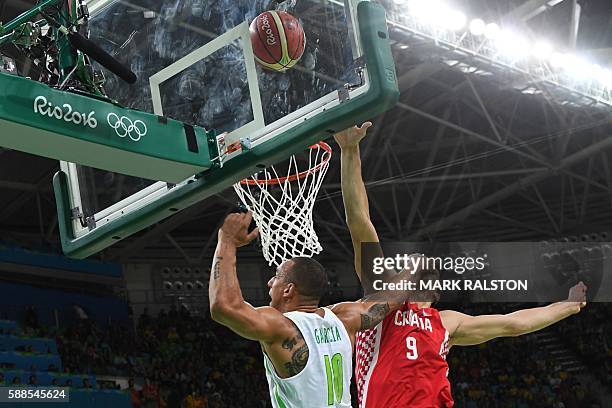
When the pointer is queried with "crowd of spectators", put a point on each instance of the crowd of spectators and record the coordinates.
(519, 372)
(184, 360)
(190, 361)
(591, 338)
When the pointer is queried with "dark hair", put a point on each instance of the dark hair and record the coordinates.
(308, 276)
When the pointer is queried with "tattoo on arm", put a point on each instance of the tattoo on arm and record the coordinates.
(375, 314)
(289, 343)
(216, 267)
(299, 357)
(298, 360)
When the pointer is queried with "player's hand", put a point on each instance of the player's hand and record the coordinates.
(352, 136)
(577, 294)
(235, 229)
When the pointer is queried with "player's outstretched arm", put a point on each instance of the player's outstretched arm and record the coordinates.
(358, 316)
(356, 207)
(468, 330)
(372, 308)
(227, 306)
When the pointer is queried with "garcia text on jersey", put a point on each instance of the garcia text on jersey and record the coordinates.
(327, 334)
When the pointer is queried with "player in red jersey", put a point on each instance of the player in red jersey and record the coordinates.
(402, 361)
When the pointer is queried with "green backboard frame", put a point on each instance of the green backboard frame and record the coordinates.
(380, 94)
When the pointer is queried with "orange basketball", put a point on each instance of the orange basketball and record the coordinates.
(278, 40)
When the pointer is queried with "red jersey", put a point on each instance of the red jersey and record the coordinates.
(402, 361)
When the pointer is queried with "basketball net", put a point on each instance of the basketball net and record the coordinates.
(282, 205)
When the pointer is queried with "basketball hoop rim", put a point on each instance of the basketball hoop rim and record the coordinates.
(280, 180)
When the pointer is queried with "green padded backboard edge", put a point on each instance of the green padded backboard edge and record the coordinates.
(381, 96)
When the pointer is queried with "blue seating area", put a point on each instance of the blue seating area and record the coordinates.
(56, 305)
(23, 365)
(25, 361)
(45, 378)
(17, 255)
(38, 345)
(7, 325)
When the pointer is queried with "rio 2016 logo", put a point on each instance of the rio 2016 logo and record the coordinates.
(66, 113)
(268, 30)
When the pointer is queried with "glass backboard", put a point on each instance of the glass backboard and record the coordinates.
(195, 63)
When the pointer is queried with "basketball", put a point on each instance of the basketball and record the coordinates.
(278, 40)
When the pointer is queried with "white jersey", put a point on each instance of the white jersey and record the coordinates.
(326, 379)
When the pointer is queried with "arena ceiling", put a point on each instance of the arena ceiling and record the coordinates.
(462, 157)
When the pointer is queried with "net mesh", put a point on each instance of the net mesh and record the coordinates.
(282, 205)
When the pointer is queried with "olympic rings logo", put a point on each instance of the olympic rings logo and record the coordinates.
(124, 126)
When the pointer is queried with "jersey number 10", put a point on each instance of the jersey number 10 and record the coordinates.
(335, 382)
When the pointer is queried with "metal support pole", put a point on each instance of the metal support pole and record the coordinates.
(530, 9)
(467, 131)
(430, 159)
(485, 111)
(179, 248)
(460, 215)
(574, 24)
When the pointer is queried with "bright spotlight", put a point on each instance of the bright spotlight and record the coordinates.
(542, 50)
(426, 11)
(599, 73)
(436, 13)
(512, 45)
(578, 67)
(477, 27)
(453, 19)
(557, 60)
(606, 78)
(492, 31)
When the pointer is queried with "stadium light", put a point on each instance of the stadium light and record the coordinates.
(578, 67)
(452, 19)
(438, 14)
(605, 77)
(477, 27)
(427, 11)
(435, 19)
(512, 45)
(542, 50)
(492, 31)
(557, 60)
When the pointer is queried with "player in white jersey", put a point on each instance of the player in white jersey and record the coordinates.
(307, 349)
